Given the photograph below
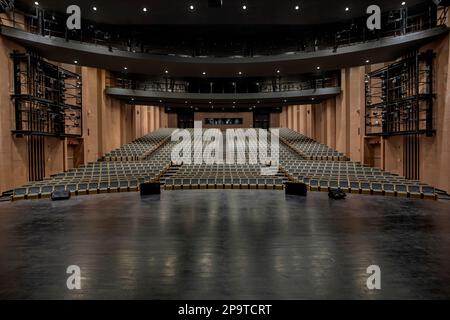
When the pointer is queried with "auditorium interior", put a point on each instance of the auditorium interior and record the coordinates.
(88, 115)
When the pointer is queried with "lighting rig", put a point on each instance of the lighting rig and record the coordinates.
(399, 97)
(47, 98)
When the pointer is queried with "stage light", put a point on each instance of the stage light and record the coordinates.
(191, 7)
(145, 9)
(94, 8)
(347, 9)
(244, 7)
(297, 8)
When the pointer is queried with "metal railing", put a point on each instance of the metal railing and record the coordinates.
(395, 23)
(266, 86)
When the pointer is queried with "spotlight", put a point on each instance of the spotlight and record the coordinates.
(297, 7)
(145, 9)
(191, 7)
(94, 8)
(244, 7)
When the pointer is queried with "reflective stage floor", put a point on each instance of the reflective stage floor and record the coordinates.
(225, 244)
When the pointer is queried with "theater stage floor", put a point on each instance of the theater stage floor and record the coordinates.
(220, 244)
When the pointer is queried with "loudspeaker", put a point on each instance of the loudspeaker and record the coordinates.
(60, 195)
(150, 188)
(215, 3)
(298, 189)
(337, 194)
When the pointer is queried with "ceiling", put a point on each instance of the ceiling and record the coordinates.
(258, 11)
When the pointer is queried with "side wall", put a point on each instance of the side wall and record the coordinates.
(107, 124)
(339, 123)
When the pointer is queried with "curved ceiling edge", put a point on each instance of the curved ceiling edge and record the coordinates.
(100, 56)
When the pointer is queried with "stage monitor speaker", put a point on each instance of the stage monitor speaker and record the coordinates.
(215, 3)
(150, 188)
(61, 195)
(298, 189)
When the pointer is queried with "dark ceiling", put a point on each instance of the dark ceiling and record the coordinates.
(258, 11)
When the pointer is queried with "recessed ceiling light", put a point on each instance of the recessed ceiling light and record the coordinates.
(367, 61)
(204, 73)
(318, 68)
(76, 61)
(125, 68)
(166, 72)
(278, 71)
(240, 73)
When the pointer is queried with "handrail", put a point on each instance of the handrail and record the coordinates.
(53, 25)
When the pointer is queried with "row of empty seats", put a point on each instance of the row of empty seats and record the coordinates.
(101, 177)
(140, 148)
(308, 148)
(320, 175)
(224, 176)
(350, 177)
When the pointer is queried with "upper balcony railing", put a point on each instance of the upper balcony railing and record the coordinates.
(305, 39)
(218, 86)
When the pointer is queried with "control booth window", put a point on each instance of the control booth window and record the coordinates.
(224, 121)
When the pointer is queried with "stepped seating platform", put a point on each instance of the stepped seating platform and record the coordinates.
(350, 176)
(222, 176)
(308, 148)
(140, 148)
(101, 177)
(319, 175)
